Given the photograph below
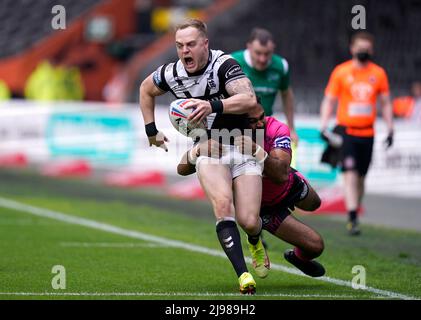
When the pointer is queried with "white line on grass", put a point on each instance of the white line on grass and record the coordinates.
(111, 245)
(10, 204)
(180, 294)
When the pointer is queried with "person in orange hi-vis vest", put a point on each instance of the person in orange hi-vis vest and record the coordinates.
(409, 107)
(355, 85)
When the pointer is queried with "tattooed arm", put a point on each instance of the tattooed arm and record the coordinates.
(242, 97)
(242, 100)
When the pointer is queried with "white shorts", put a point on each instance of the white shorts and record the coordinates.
(238, 163)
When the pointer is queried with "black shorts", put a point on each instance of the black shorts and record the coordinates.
(273, 216)
(356, 154)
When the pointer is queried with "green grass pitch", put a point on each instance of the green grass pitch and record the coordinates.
(101, 264)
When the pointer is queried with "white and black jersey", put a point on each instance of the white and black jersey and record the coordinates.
(206, 84)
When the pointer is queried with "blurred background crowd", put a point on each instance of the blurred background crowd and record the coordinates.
(109, 46)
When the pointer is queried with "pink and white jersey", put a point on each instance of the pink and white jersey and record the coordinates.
(276, 137)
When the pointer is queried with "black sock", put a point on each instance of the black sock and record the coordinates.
(353, 215)
(255, 239)
(230, 240)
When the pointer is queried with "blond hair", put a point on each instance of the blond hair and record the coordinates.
(194, 23)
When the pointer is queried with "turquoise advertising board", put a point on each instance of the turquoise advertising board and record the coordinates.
(308, 155)
(93, 136)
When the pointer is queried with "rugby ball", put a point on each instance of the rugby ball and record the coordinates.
(178, 117)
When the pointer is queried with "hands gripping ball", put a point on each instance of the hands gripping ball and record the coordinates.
(178, 117)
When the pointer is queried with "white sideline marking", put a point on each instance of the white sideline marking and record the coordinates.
(111, 245)
(178, 294)
(10, 204)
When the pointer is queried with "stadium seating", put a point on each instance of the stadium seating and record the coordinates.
(24, 22)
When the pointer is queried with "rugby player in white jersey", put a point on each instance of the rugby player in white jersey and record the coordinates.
(221, 93)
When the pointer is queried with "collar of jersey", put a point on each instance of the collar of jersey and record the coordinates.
(201, 71)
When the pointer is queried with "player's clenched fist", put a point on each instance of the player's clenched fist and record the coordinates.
(159, 140)
(245, 144)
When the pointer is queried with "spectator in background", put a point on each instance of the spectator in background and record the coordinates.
(409, 107)
(269, 74)
(52, 81)
(4, 91)
(41, 84)
(71, 82)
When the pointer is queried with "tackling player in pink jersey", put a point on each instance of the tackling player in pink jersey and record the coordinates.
(284, 188)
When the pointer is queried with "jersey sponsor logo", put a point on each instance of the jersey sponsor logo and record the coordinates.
(305, 190)
(157, 77)
(211, 83)
(265, 90)
(233, 71)
(360, 109)
(361, 91)
(372, 79)
(282, 142)
(191, 79)
(273, 76)
(179, 88)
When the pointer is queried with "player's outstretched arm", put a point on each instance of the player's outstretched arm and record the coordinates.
(147, 93)
(277, 165)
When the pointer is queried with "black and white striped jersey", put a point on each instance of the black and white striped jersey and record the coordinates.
(206, 84)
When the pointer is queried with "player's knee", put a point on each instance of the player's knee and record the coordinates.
(317, 245)
(222, 206)
(313, 246)
(251, 224)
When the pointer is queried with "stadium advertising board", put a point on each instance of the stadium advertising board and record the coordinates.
(109, 137)
(95, 136)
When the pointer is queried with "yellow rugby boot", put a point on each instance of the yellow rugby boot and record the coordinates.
(247, 283)
(260, 259)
